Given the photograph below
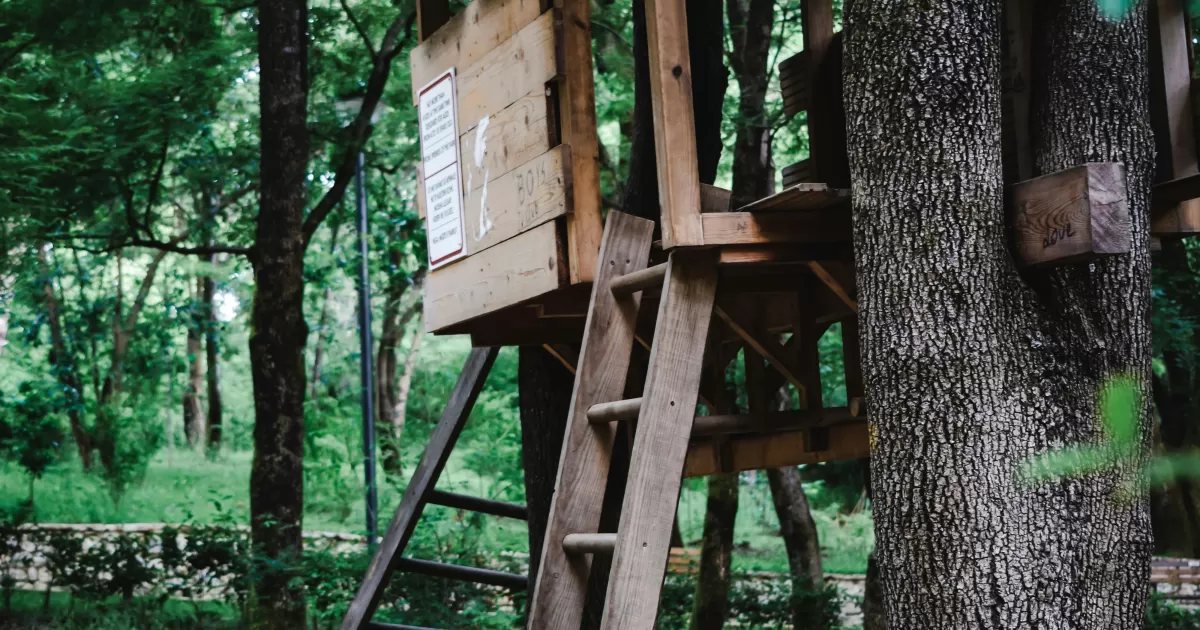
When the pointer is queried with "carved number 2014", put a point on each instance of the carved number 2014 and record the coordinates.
(1058, 234)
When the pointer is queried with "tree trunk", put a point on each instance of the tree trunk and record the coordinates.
(193, 426)
(212, 352)
(797, 527)
(399, 416)
(64, 367)
(544, 393)
(279, 330)
(874, 615)
(970, 368)
(716, 553)
(750, 24)
(391, 333)
(323, 320)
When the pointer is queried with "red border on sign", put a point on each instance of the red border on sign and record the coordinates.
(449, 74)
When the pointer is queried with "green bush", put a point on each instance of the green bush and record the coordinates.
(1163, 615)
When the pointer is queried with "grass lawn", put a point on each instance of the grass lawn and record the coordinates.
(27, 612)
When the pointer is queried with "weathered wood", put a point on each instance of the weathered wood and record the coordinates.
(519, 269)
(770, 422)
(801, 197)
(522, 64)
(437, 451)
(674, 123)
(664, 427)
(618, 410)
(558, 598)
(794, 84)
(1174, 44)
(834, 284)
(589, 543)
(526, 197)
(577, 124)
(464, 574)
(511, 138)
(770, 350)
(1071, 216)
(845, 441)
(477, 504)
(797, 173)
(817, 17)
(827, 227)
(467, 37)
(714, 199)
(640, 280)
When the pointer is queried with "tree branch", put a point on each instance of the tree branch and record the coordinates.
(121, 241)
(362, 32)
(360, 130)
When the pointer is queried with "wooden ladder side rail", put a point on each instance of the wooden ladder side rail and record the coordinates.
(559, 596)
(454, 417)
(664, 431)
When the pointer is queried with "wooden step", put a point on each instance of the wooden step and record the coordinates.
(476, 504)
(589, 543)
(619, 410)
(464, 574)
(798, 173)
(639, 280)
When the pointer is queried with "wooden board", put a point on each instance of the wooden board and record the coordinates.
(469, 36)
(521, 268)
(660, 448)
(516, 135)
(522, 64)
(577, 124)
(846, 441)
(1071, 216)
(794, 83)
(797, 173)
(829, 226)
(801, 198)
(437, 452)
(674, 123)
(558, 597)
(526, 197)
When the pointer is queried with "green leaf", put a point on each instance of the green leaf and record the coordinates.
(1120, 401)
(1116, 9)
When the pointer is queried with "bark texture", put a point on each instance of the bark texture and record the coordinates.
(388, 415)
(874, 614)
(193, 425)
(716, 553)
(797, 527)
(971, 369)
(750, 23)
(279, 330)
(212, 361)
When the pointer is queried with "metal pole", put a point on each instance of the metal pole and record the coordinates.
(368, 367)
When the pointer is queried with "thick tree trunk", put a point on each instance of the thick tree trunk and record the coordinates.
(874, 615)
(970, 368)
(399, 416)
(279, 330)
(193, 425)
(212, 356)
(323, 319)
(64, 367)
(716, 553)
(544, 392)
(797, 527)
(391, 333)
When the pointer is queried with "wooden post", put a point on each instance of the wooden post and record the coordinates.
(1176, 114)
(674, 123)
(1072, 216)
(817, 17)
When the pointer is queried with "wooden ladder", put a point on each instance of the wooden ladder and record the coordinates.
(421, 491)
(664, 414)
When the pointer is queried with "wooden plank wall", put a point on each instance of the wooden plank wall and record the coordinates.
(1176, 113)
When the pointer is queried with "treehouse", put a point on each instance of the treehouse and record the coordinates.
(522, 254)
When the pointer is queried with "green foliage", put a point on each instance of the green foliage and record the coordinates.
(1163, 615)
(754, 602)
(33, 432)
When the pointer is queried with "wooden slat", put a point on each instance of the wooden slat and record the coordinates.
(516, 135)
(674, 123)
(577, 119)
(797, 173)
(640, 280)
(437, 451)
(1173, 41)
(558, 598)
(829, 226)
(663, 433)
(521, 65)
(468, 37)
(714, 199)
(840, 287)
(510, 581)
(800, 198)
(846, 441)
(525, 198)
(521, 268)
(1071, 216)
(478, 504)
(770, 422)
(589, 543)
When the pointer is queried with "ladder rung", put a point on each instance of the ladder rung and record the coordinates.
(638, 280)
(589, 543)
(463, 574)
(379, 625)
(603, 413)
(476, 504)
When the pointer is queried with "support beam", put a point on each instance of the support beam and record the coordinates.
(620, 410)
(639, 280)
(769, 349)
(770, 422)
(510, 581)
(836, 286)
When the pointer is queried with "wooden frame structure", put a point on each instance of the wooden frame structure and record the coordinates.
(722, 281)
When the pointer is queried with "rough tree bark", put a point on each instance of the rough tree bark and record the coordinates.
(64, 366)
(192, 423)
(970, 368)
(212, 361)
(323, 319)
(279, 331)
(395, 321)
(400, 409)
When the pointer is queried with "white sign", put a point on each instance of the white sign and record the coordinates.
(437, 108)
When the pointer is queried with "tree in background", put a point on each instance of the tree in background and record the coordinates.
(971, 367)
